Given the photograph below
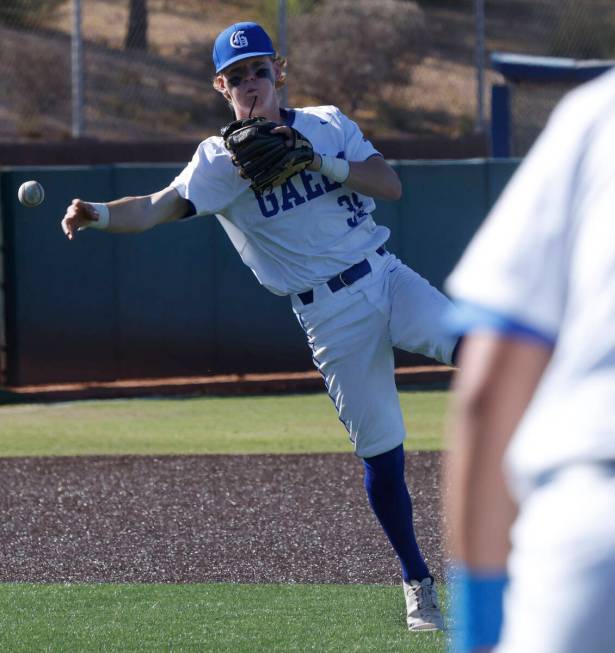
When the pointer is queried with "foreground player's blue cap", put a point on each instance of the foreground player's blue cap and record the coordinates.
(240, 41)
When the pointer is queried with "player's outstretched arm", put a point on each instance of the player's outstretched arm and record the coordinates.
(125, 215)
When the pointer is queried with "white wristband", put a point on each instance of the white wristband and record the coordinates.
(103, 216)
(334, 168)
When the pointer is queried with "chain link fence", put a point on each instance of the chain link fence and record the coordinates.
(577, 31)
(146, 64)
(145, 67)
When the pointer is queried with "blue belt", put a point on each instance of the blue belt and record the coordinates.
(343, 279)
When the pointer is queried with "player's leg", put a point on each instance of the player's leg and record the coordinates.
(389, 498)
(418, 316)
(562, 567)
(352, 349)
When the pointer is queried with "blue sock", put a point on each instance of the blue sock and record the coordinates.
(389, 498)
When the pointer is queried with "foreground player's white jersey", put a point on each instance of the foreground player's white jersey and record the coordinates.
(545, 259)
(307, 230)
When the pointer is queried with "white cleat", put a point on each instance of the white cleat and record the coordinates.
(423, 613)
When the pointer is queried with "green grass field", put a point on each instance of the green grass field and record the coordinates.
(266, 424)
(217, 618)
(81, 618)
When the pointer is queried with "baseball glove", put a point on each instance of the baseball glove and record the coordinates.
(263, 157)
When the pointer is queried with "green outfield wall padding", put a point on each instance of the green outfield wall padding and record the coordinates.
(177, 300)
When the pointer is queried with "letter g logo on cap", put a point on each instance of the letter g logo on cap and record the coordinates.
(238, 39)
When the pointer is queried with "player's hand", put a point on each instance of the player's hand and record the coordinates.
(288, 132)
(316, 164)
(78, 216)
(266, 153)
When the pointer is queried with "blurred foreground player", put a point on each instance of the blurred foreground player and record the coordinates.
(533, 423)
(313, 239)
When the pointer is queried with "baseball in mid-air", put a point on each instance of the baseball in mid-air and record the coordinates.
(31, 193)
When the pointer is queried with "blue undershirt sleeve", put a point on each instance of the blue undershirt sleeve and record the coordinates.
(466, 317)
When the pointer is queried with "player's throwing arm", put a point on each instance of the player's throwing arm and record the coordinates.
(126, 215)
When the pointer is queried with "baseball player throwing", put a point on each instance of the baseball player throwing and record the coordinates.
(535, 391)
(300, 218)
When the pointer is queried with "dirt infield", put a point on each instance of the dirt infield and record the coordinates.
(251, 519)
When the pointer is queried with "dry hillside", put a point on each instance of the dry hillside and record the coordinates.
(165, 92)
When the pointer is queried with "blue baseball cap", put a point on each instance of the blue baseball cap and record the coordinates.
(240, 41)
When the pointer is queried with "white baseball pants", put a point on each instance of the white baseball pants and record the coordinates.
(562, 568)
(352, 333)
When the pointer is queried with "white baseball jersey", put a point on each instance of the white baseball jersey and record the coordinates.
(544, 264)
(303, 232)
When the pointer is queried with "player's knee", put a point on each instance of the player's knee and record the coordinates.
(386, 468)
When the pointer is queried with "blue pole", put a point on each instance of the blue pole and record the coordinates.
(500, 121)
